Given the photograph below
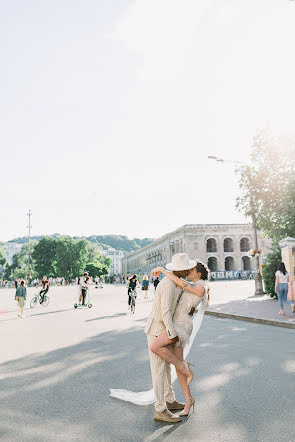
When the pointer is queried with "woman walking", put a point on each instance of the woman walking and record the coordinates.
(20, 297)
(281, 287)
(145, 286)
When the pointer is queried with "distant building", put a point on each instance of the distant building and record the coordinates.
(116, 257)
(223, 247)
(11, 249)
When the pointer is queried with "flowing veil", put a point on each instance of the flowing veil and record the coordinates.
(147, 397)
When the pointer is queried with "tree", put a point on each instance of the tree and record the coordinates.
(268, 186)
(100, 267)
(3, 258)
(71, 257)
(19, 267)
(45, 257)
(269, 269)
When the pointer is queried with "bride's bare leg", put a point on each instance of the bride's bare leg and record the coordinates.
(178, 351)
(161, 347)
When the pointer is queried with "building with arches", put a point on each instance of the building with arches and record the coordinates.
(223, 247)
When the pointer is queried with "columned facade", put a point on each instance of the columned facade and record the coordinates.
(223, 247)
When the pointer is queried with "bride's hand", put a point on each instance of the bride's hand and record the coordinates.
(156, 271)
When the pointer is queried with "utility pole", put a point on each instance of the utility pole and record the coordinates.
(29, 243)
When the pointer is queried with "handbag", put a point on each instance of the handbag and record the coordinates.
(291, 292)
(17, 298)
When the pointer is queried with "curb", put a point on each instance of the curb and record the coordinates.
(250, 319)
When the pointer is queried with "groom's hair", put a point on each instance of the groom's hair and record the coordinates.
(181, 273)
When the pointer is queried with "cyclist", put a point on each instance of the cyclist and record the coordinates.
(45, 288)
(132, 283)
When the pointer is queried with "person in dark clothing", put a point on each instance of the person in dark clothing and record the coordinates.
(156, 282)
(132, 283)
(45, 288)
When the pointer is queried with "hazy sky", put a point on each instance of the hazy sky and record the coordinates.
(109, 109)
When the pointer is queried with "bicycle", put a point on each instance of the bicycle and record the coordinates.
(37, 298)
(133, 295)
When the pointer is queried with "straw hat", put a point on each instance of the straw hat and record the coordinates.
(181, 261)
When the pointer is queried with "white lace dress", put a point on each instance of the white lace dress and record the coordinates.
(182, 321)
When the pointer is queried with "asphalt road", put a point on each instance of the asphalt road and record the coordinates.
(57, 365)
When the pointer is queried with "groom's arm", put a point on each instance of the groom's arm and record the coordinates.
(165, 299)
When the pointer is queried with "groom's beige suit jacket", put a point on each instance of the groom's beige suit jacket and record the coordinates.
(165, 303)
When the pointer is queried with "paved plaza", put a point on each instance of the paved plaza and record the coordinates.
(57, 365)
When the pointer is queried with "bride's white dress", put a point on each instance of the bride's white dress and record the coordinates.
(187, 327)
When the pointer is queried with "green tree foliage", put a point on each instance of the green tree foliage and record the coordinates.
(71, 257)
(99, 267)
(3, 258)
(19, 267)
(45, 257)
(270, 183)
(270, 267)
(268, 192)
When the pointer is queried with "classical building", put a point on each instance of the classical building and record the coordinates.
(223, 247)
(11, 249)
(116, 257)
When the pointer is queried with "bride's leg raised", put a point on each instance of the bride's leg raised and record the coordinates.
(182, 379)
(161, 347)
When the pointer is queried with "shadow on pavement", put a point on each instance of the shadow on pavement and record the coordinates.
(64, 394)
(117, 315)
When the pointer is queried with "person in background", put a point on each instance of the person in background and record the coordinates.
(145, 286)
(45, 288)
(156, 282)
(281, 287)
(132, 283)
(20, 297)
(84, 287)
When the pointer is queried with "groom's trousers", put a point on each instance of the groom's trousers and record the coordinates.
(161, 377)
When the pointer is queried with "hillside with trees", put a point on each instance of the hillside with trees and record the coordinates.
(118, 242)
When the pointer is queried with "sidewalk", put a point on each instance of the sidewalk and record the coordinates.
(236, 300)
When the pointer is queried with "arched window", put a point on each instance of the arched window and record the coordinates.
(246, 263)
(229, 263)
(245, 245)
(212, 264)
(211, 245)
(228, 245)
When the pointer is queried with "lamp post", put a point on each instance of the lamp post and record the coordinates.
(29, 226)
(258, 279)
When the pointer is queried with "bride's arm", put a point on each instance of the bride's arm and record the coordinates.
(198, 290)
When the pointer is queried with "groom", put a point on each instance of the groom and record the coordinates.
(165, 302)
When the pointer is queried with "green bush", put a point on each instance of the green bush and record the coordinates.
(269, 269)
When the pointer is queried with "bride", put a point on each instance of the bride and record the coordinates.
(195, 291)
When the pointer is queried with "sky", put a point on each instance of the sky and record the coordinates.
(109, 110)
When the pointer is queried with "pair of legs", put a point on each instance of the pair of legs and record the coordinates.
(42, 293)
(145, 293)
(21, 304)
(174, 355)
(282, 292)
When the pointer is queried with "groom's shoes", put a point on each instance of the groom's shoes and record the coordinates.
(175, 405)
(166, 416)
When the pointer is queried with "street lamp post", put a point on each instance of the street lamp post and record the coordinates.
(258, 279)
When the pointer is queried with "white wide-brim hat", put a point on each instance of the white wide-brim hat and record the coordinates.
(181, 261)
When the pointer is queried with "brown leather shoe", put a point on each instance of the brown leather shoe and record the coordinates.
(175, 405)
(166, 416)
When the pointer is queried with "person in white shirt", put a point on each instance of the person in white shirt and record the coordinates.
(281, 287)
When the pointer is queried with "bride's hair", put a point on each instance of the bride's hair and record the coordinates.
(205, 272)
(203, 269)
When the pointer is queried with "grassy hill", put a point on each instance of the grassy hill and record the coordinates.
(118, 242)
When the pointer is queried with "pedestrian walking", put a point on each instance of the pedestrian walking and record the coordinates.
(145, 286)
(132, 283)
(281, 287)
(156, 282)
(20, 297)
